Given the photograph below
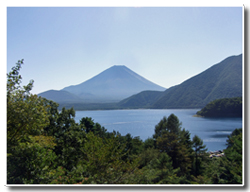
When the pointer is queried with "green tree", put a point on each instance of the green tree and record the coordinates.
(160, 128)
(27, 114)
(103, 161)
(149, 143)
(175, 142)
(200, 153)
(160, 171)
(32, 162)
(30, 153)
(225, 107)
(228, 169)
(133, 147)
(147, 156)
(233, 154)
(89, 126)
(173, 124)
(69, 138)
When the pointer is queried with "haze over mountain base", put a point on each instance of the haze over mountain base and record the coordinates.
(112, 85)
(120, 88)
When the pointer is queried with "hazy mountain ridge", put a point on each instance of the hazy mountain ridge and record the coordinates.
(222, 80)
(112, 85)
(60, 96)
(117, 82)
(144, 99)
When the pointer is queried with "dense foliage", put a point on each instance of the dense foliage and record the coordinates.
(46, 146)
(227, 107)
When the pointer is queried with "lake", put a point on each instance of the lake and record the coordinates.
(141, 122)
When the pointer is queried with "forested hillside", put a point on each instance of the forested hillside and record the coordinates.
(227, 107)
(145, 99)
(223, 80)
(45, 146)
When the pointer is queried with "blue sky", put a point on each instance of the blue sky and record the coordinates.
(67, 46)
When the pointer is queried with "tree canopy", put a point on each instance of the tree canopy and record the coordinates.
(226, 107)
(47, 146)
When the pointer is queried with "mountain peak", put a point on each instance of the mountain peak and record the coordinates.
(119, 66)
(115, 83)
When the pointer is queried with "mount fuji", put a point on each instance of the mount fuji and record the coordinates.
(112, 85)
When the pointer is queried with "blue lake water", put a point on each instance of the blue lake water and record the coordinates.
(142, 123)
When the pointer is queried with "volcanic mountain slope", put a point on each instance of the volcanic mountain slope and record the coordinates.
(112, 85)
